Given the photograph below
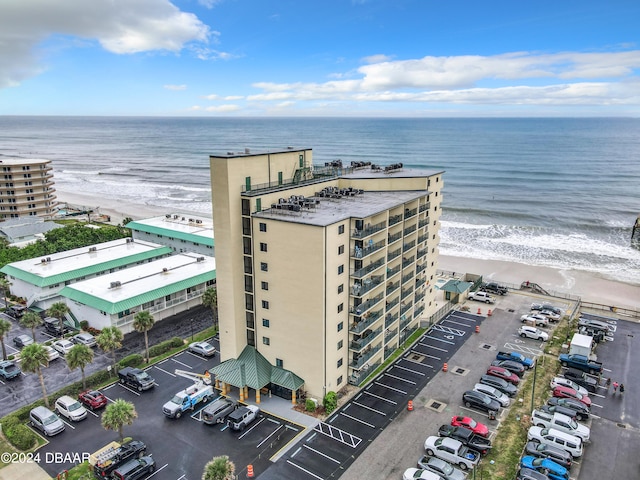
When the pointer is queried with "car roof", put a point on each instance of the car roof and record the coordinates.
(40, 410)
(66, 399)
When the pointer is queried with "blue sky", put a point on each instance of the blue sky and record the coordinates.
(320, 58)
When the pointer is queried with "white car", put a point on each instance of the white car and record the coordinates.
(63, 346)
(559, 421)
(494, 393)
(202, 348)
(535, 318)
(71, 408)
(482, 297)
(526, 331)
(452, 451)
(84, 339)
(419, 474)
(556, 438)
(552, 316)
(51, 353)
(565, 382)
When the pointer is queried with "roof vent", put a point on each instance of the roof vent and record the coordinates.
(165, 270)
(43, 260)
(200, 259)
(198, 221)
(115, 284)
(93, 249)
(129, 240)
(48, 259)
(168, 215)
(191, 220)
(175, 217)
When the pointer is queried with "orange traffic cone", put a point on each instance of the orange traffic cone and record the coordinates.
(477, 328)
(479, 311)
(489, 313)
(249, 471)
(445, 367)
(410, 405)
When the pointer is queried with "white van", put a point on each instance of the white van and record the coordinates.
(556, 438)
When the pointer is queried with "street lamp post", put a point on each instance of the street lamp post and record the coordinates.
(191, 320)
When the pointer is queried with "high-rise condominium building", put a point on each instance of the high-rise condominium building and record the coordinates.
(26, 188)
(324, 270)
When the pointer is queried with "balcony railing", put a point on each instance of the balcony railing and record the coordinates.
(361, 309)
(420, 282)
(404, 321)
(389, 319)
(369, 230)
(362, 325)
(394, 254)
(407, 277)
(394, 237)
(359, 289)
(362, 252)
(410, 213)
(392, 303)
(392, 271)
(419, 296)
(405, 308)
(410, 229)
(392, 288)
(395, 219)
(389, 336)
(363, 359)
(419, 310)
(424, 206)
(407, 261)
(423, 238)
(406, 293)
(364, 341)
(420, 268)
(368, 269)
(422, 253)
(408, 246)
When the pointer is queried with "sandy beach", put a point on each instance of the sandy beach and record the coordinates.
(589, 286)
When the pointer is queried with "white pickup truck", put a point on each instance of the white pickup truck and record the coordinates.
(481, 297)
(560, 422)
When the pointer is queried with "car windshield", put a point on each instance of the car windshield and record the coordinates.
(50, 419)
(74, 406)
(446, 468)
(143, 376)
(177, 400)
(573, 424)
(473, 423)
(10, 368)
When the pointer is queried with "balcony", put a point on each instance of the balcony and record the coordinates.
(360, 252)
(408, 246)
(368, 269)
(366, 340)
(392, 303)
(404, 321)
(392, 271)
(369, 230)
(420, 282)
(406, 293)
(361, 309)
(392, 288)
(424, 206)
(359, 289)
(407, 261)
(362, 359)
(389, 319)
(394, 254)
(410, 229)
(405, 308)
(422, 253)
(420, 268)
(423, 238)
(423, 222)
(394, 237)
(418, 311)
(410, 213)
(407, 277)
(419, 296)
(362, 325)
(390, 335)
(395, 219)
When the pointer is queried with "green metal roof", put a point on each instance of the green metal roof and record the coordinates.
(128, 303)
(456, 286)
(253, 370)
(189, 237)
(86, 271)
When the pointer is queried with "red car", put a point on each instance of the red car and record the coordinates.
(504, 374)
(566, 392)
(470, 424)
(93, 399)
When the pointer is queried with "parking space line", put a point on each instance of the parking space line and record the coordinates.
(93, 413)
(474, 411)
(178, 361)
(399, 378)
(407, 369)
(369, 408)
(163, 370)
(129, 389)
(161, 468)
(391, 388)
(459, 323)
(66, 423)
(431, 346)
(322, 454)
(252, 427)
(596, 405)
(425, 355)
(271, 435)
(441, 340)
(305, 470)
(357, 419)
(378, 397)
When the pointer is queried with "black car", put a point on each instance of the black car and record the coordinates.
(16, 311)
(481, 401)
(551, 409)
(111, 460)
(545, 306)
(528, 474)
(52, 326)
(581, 378)
(466, 437)
(22, 340)
(495, 288)
(510, 365)
(543, 450)
(500, 384)
(582, 411)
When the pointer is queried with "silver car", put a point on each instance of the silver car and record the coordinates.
(84, 339)
(494, 393)
(43, 419)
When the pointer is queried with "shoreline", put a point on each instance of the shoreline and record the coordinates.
(589, 286)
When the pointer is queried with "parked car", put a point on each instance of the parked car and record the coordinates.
(545, 306)
(550, 314)
(582, 378)
(504, 374)
(43, 419)
(84, 338)
(419, 474)
(565, 382)
(495, 288)
(500, 384)
(52, 327)
(451, 451)
(526, 331)
(596, 324)
(440, 467)
(480, 401)
(560, 422)
(482, 297)
(528, 474)
(202, 348)
(466, 437)
(510, 365)
(469, 423)
(551, 409)
(494, 393)
(9, 370)
(70, 408)
(62, 346)
(93, 399)
(544, 450)
(566, 392)
(16, 311)
(22, 341)
(546, 466)
(52, 353)
(217, 411)
(582, 411)
(537, 319)
(556, 438)
(135, 469)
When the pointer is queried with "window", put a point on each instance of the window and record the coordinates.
(246, 207)
(266, 341)
(246, 226)
(247, 184)
(279, 178)
(248, 283)
(248, 301)
(248, 268)
(265, 285)
(258, 204)
(250, 320)
(339, 364)
(251, 338)
(263, 227)
(341, 288)
(265, 322)
(263, 247)
(340, 229)
(340, 269)
(264, 267)
(265, 304)
(340, 249)
(340, 326)
(340, 344)
(279, 363)
(246, 245)
(301, 160)
(340, 307)
(339, 380)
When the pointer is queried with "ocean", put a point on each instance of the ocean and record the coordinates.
(557, 192)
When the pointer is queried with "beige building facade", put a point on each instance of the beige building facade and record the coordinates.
(27, 188)
(325, 270)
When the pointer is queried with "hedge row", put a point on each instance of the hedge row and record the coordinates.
(165, 346)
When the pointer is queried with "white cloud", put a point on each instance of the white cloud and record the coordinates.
(175, 87)
(376, 58)
(223, 108)
(213, 96)
(233, 98)
(119, 26)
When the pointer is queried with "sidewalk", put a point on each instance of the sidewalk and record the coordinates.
(21, 471)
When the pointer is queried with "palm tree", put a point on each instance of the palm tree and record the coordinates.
(5, 326)
(220, 468)
(210, 299)
(79, 357)
(117, 415)
(142, 322)
(59, 310)
(5, 287)
(31, 320)
(33, 357)
(110, 340)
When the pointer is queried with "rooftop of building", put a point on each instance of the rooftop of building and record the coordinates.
(248, 152)
(25, 228)
(322, 211)
(72, 264)
(118, 291)
(22, 161)
(183, 226)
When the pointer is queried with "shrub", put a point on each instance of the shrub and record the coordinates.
(84, 325)
(176, 342)
(330, 402)
(310, 405)
(165, 346)
(133, 360)
(21, 437)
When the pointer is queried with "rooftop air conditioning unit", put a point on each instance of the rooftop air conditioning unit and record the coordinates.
(200, 259)
(129, 240)
(167, 215)
(198, 221)
(183, 219)
(115, 284)
(93, 249)
(175, 217)
(165, 270)
(48, 259)
(191, 220)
